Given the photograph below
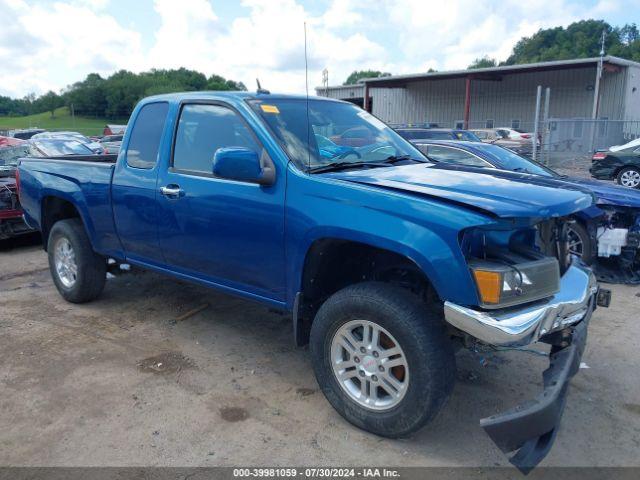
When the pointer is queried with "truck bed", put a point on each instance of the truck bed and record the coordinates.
(84, 181)
(108, 158)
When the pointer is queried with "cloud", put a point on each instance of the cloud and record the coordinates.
(41, 42)
(49, 45)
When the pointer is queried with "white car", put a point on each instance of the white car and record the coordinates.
(631, 144)
(514, 133)
(96, 147)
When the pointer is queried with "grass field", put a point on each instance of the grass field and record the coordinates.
(61, 121)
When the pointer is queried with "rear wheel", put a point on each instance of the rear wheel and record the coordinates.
(77, 271)
(383, 361)
(629, 177)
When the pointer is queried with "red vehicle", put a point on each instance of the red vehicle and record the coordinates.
(10, 141)
(11, 222)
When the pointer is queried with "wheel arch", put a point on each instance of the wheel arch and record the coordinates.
(53, 209)
(333, 263)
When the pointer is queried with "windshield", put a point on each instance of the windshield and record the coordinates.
(335, 132)
(9, 155)
(56, 147)
(508, 160)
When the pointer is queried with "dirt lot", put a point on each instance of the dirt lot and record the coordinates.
(121, 382)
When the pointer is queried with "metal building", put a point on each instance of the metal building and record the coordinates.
(502, 96)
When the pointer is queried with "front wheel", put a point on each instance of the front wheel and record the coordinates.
(77, 271)
(580, 243)
(629, 177)
(382, 359)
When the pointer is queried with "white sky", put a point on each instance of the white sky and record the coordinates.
(50, 44)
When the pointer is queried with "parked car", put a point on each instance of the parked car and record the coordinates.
(514, 133)
(623, 166)
(55, 147)
(111, 143)
(632, 144)
(96, 147)
(10, 141)
(437, 133)
(384, 261)
(11, 222)
(26, 133)
(354, 137)
(112, 129)
(500, 137)
(608, 232)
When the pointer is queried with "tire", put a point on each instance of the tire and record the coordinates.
(629, 177)
(582, 236)
(68, 245)
(422, 337)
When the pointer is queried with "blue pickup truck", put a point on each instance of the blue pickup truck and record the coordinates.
(386, 264)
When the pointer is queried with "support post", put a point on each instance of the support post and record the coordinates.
(596, 105)
(365, 102)
(534, 140)
(467, 101)
(545, 128)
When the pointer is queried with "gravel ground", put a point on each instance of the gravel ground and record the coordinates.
(124, 381)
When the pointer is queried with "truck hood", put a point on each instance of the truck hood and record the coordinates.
(493, 192)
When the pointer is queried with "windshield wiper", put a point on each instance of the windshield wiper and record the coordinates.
(387, 162)
(335, 167)
(399, 158)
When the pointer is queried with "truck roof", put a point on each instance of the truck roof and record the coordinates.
(231, 95)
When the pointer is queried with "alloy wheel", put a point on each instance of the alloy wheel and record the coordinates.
(64, 258)
(370, 365)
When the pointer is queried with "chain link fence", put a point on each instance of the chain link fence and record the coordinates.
(569, 144)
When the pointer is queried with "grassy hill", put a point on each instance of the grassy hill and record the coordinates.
(61, 121)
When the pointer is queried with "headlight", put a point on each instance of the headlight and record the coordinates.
(503, 284)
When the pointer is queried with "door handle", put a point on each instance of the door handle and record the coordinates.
(172, 191)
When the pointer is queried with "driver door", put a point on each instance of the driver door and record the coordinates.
(223, 231)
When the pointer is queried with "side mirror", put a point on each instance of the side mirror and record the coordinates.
(242, 164)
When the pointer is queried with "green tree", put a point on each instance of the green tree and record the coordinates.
(579, 40)
(358, 75)
(48, 103)
(483, 62)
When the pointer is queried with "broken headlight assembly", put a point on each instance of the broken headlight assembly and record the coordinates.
(510, 268)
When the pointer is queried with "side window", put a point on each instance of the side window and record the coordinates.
(453, 155)
(142, 151)
(203, 129)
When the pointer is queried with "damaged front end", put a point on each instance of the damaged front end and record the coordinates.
(541, 294)
(616, 234)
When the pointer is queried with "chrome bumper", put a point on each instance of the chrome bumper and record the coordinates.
(523, 325)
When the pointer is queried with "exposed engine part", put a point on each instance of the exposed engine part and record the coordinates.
(611, 241)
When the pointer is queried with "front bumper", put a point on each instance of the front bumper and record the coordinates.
(517, 326)
(530, 429)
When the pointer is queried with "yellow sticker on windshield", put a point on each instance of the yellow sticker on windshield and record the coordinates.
(269, 109)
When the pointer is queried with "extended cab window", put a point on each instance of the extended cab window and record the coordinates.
(142, 151)
(202, 130)
(453, 155)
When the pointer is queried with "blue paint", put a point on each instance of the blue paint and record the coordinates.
(252, 240)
